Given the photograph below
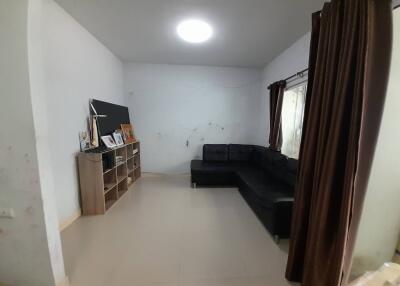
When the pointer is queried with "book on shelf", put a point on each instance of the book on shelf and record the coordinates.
(119, 159)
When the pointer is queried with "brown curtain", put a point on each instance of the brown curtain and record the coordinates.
(349, 66)
(277, 90)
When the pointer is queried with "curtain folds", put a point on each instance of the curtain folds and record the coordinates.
(277, 90)
(348, 76)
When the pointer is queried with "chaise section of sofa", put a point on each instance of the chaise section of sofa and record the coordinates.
(265, 178)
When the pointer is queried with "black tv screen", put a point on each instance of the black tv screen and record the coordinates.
(115, 116)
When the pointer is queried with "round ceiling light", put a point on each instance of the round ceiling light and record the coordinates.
(194, 31)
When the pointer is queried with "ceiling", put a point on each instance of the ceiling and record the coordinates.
(247, 33)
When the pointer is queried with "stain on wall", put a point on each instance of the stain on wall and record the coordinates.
(177, 109)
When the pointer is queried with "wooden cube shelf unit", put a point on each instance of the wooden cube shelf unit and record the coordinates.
(105, 177)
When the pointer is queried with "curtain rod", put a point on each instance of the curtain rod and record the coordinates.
(298, 74)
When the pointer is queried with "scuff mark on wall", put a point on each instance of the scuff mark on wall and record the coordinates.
(30, 211)
(27, 159)
(194, 130)
(219, 127)
(200, 132)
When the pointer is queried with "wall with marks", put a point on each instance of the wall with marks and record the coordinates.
(77, 67)
(177, 109)
(30, 247)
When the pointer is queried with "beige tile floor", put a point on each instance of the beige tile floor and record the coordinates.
(163, 233)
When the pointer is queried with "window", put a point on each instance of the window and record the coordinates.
(292, 119)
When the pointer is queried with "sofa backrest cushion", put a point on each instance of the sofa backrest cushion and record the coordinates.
(258, 156)
(275, 164)
(240, 153)
(215, 153)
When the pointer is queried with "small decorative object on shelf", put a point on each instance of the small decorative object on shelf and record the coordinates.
(106, 175)
(93, 125)
(94, 135)
(84, 140)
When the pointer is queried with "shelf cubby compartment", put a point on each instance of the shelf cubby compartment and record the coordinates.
(131, 177)
(108, 161)
(136, 161)
(120, 155)
(122, 172)
(130, 164)
(129, 150)
(137, 172)
(122, 187)
(134, 149)
(110, 180)
(111, 197)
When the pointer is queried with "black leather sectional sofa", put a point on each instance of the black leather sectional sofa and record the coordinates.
(265, 178)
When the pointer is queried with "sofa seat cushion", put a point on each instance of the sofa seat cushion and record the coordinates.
(264, 187)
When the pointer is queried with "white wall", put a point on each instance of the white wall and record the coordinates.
(30, 247)
(77, 67)
(289, 62)
(380, 222)
(38, 95)
(170, 105)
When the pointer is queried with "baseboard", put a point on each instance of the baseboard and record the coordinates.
(153, 174)
(70, 220)
(64, 282)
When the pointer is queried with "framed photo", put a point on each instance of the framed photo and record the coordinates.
(118, 138)
(128, 134)
(108, 141)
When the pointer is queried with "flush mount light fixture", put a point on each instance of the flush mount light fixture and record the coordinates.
(194, 31)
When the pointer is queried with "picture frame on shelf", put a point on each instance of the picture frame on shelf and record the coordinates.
(108, 141)
(118, 138)
(128, 134)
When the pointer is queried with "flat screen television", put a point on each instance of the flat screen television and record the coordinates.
(115, 115)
